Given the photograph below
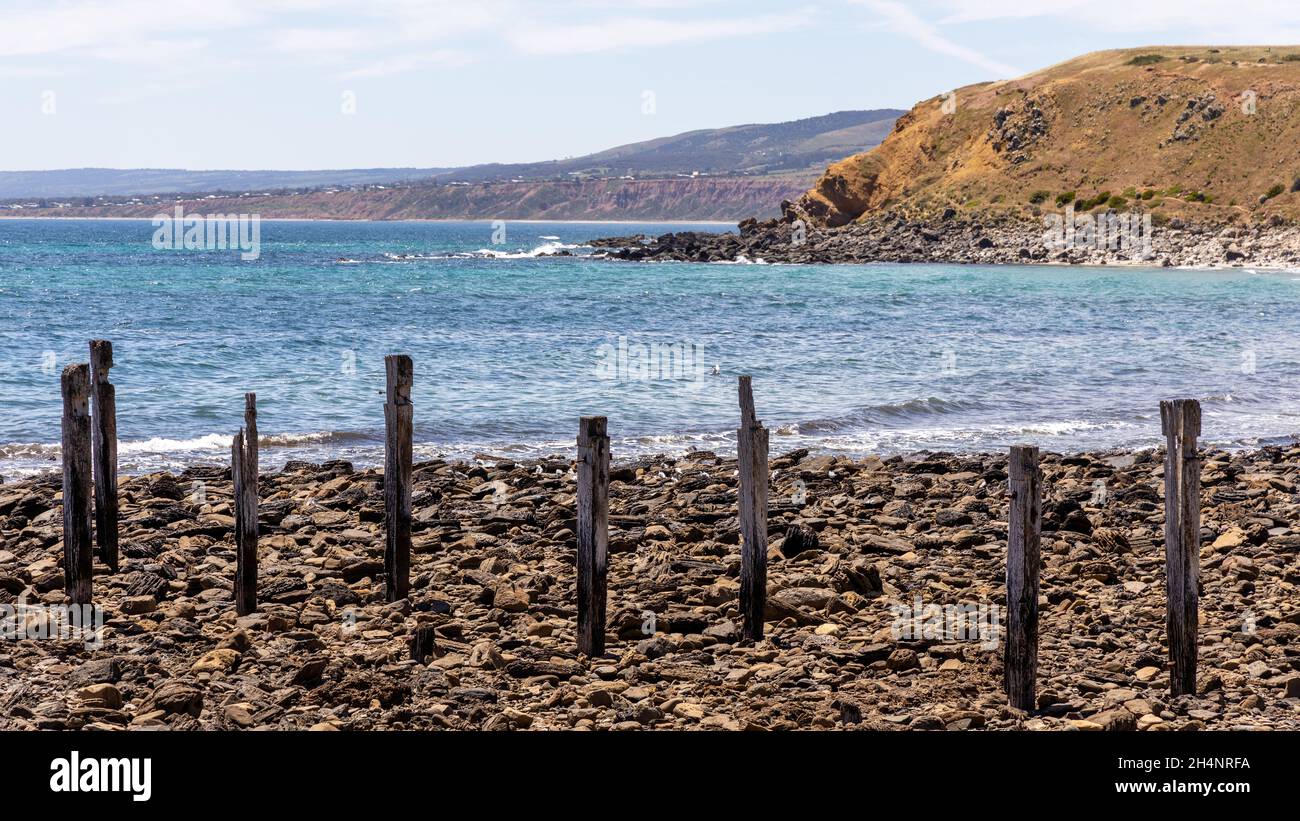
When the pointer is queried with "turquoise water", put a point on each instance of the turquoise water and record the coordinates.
(512, 344)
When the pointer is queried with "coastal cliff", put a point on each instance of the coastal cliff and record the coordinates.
(1204, 133)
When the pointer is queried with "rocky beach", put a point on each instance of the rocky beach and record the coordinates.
(851, 541)
(965, 239)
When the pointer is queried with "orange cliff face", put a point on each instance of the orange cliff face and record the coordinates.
(1199, 132)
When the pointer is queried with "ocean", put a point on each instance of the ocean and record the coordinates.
(513, 342)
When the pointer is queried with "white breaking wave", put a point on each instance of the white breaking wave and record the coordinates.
(211, 441)
(543, 250)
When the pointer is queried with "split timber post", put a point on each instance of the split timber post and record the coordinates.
(103, 399)
(592, 533)
(243, 469)
(1180, 421)
(751, 447)
(1024, 521)
(398, 422)
(78, 558)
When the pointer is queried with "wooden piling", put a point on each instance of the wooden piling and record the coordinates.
(423, 643)
(1024, 521)
(1180, 421)
(398, 420)
(243, 469)
(103, 398)
(751, 447)
(78, 559)
(593, 533)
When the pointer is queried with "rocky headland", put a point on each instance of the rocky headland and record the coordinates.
(961, 239)
(1185, 155)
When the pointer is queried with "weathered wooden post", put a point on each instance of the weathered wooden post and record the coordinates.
(1180, 421)
(423, 643)
(751, 448)
(593, 533)
(398, 420)
(78, 558)
(104, 440)
(243, 469)
(1024, 521)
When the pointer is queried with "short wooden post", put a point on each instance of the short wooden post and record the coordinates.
(593, 533)
(243, 468)
(103, 398)
(1024, 521)
(751, 447)
(423, 643)
(1180, 421)
(78, 558)
(398, 419)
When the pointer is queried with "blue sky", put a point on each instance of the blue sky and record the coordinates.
(265, 83)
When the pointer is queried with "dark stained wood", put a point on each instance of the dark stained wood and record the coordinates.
(751, 451)
(250, 430)
(243, 468)
(1024, 520)
(78, 558)
(399, 417)
(423, 642)
(1180, 421)
(747, 415)
(593, 533)
(103, 398)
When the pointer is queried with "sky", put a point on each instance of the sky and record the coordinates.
(311, 84)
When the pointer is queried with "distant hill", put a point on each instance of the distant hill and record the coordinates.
(774, 148)
(125, 182)
(1210, 134)
(800, 146)
(667, 198)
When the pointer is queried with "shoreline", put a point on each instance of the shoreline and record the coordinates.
(274, 455)
(958, 239)
(849, 542)
(404, 219)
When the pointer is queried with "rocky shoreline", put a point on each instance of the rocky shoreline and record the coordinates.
(493, 576)
(964, 239)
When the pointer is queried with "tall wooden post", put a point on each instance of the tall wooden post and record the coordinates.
(1024, 521)
(1180, 422)
(104, 441)
(243, 468)
(593, 533)
(78, 559)
(751, 447)
(398, 420)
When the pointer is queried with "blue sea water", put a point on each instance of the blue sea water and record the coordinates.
(512, 343)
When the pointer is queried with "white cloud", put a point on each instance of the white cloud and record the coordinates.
(313, 40)
(646, 32)
(904, 21)
(78, 27)
(409, 62)
(1239, 22)
(1262, 18)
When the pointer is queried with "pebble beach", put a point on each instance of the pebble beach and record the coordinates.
(852, 543)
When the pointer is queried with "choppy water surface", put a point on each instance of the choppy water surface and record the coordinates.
(513, 343)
